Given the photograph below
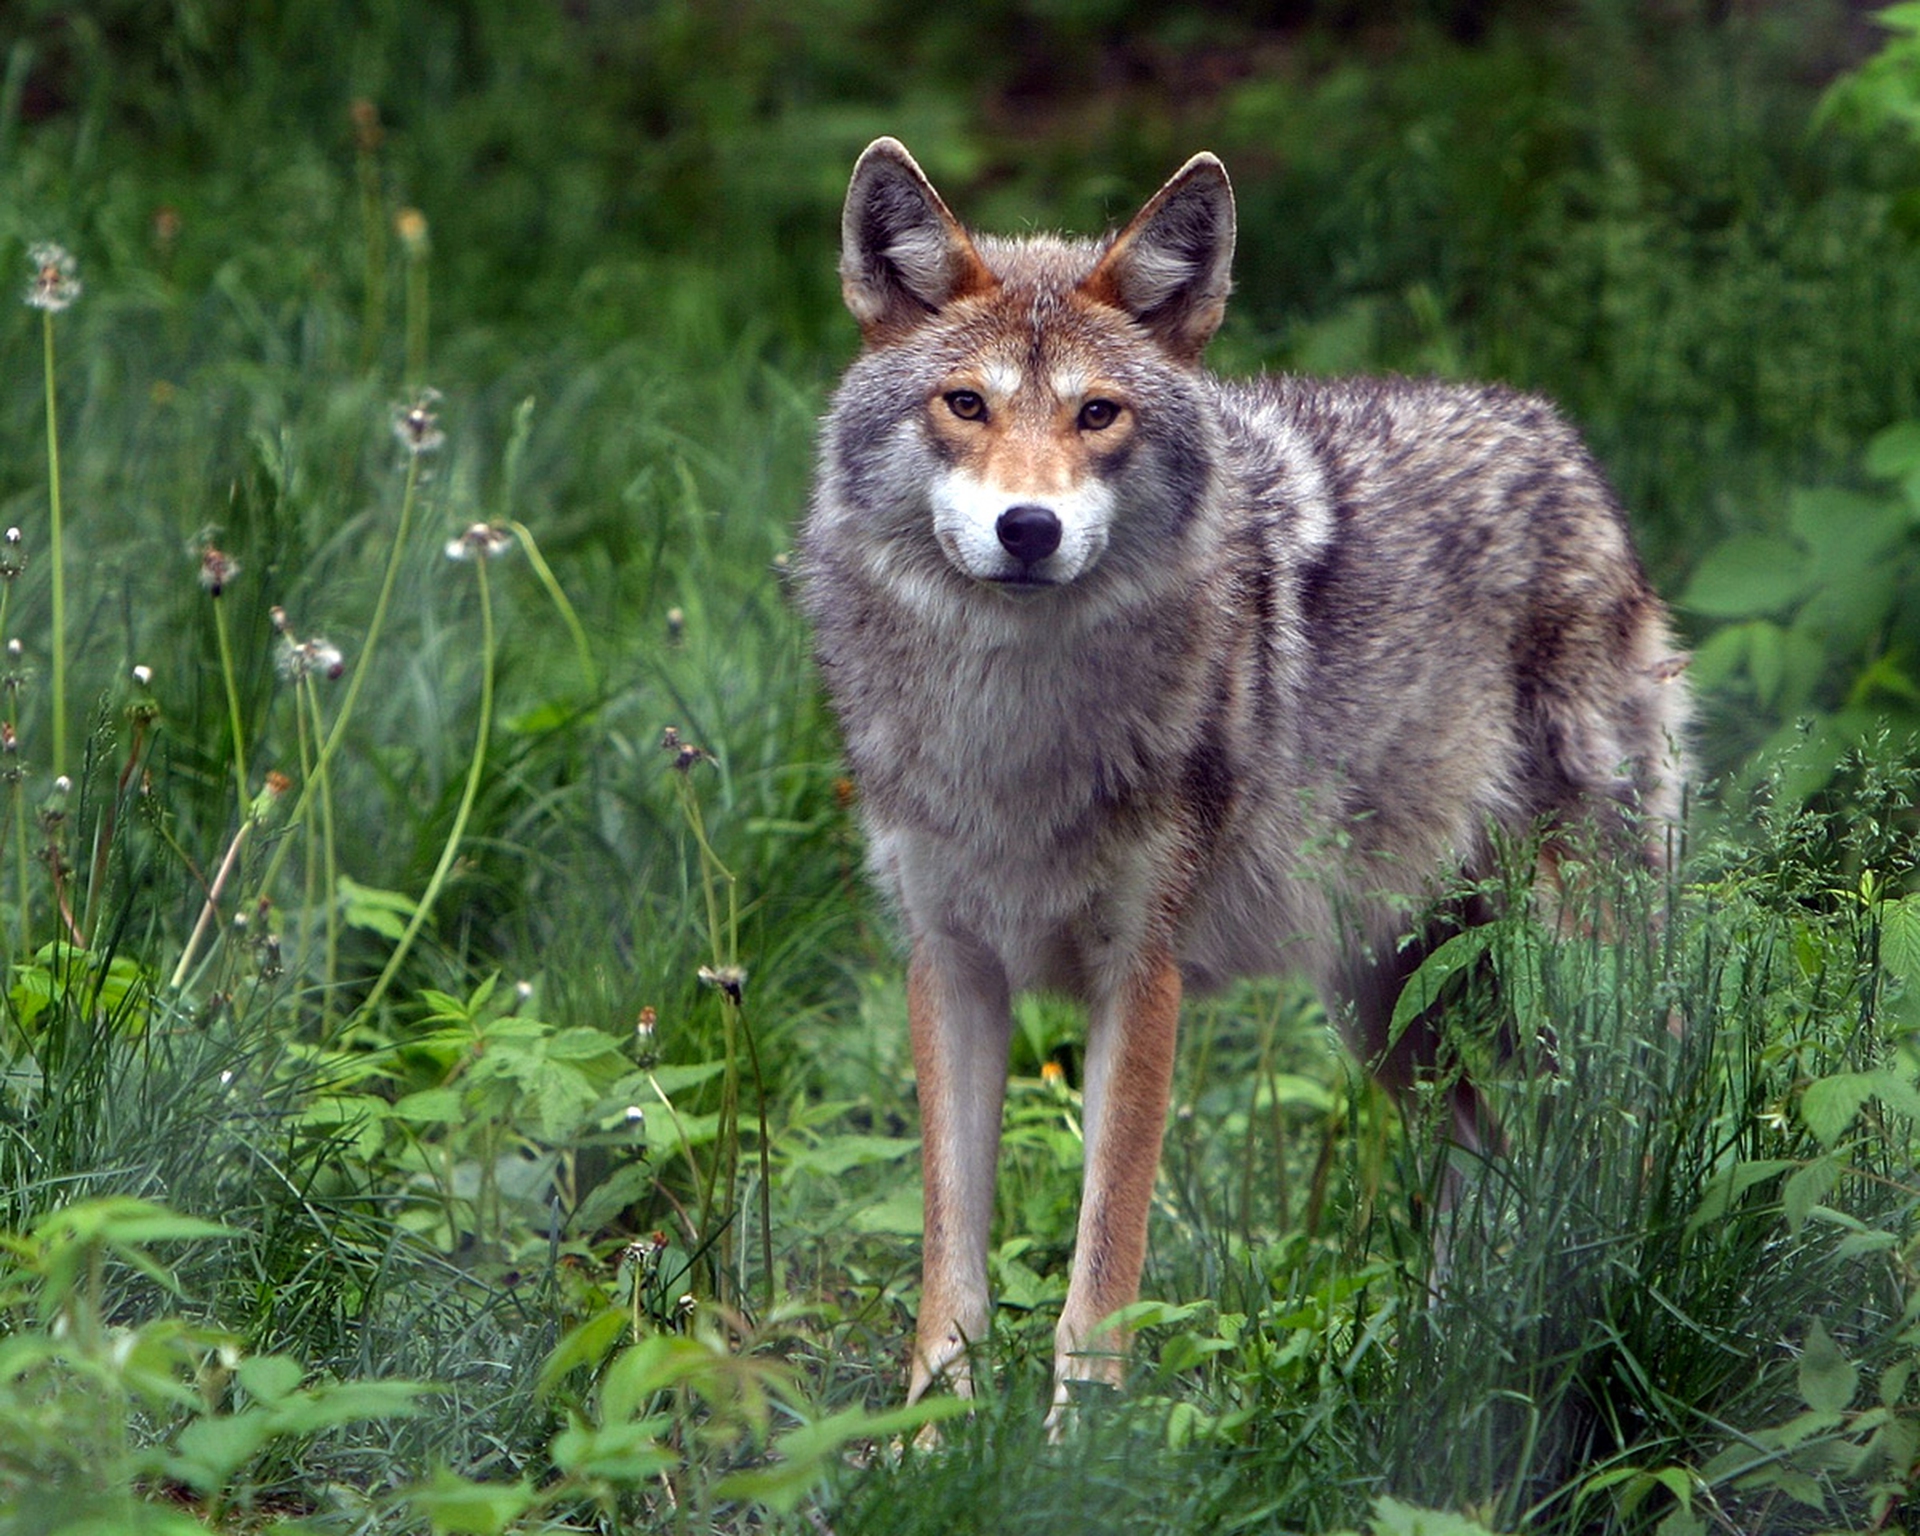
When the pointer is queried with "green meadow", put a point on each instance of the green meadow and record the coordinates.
(453, 1077)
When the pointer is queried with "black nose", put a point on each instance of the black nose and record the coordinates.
(1029, 534)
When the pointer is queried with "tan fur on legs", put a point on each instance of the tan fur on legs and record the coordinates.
(958, 1010)
(1130, 1049)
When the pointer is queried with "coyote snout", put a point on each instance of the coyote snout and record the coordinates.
(1286, 652)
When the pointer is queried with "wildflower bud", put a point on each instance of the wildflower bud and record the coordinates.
(411, 226)
(367, 132)
(9, 742)
(15, 650)
(523, 992)
(277, 783)
(637, 1117)
(63, 785)
(644, 1050)
(142, 677)
(278, 617)
(166, 227)
(13, 535)
(55, 283)
(676, 623)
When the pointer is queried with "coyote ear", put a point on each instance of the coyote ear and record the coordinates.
(902, 254)
(1170, 268)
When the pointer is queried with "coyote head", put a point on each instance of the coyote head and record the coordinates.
(1051, 381)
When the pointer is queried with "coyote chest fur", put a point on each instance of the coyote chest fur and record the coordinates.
(1150, 680)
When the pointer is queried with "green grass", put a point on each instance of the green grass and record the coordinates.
(368, 1205)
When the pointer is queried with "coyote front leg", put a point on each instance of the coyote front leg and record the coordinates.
(1130, 1048)
(961, 1017)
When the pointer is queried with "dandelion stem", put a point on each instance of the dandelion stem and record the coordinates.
(55, 544)
(211, 906)
(361, 666)
(558, 593)
(482, 731)
(233, 702)
(324, 785)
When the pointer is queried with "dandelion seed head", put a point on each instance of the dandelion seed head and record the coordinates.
(217, 570)
(56, 278)
(301, 659)
(481, 541)
(730, 980)
(417, 426)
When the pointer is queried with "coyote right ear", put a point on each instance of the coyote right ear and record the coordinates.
(902, 254)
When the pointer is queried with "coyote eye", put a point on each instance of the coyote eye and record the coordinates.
(1098, 415)
(967, 405)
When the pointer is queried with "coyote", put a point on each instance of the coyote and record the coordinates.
(1150, 680)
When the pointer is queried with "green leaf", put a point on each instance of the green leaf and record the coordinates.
(1807, 1187)
(210, 1450)
(1746, 576)
(1457, 956)
(1828, 1379)
(456, 1506)
(270, 1377)
(1726, 1186)
(1828, 1105)
(375, 911)
(585, 1344)
(1893, 453)
(627, 1453)
(804, 1451)
(1844, 532)
(1392, 1518)
(835, 1155)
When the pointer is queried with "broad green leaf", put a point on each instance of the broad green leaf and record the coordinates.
(1828, 1105)
(1746, 576)
(1828, 1379)
(803, 1452)
(375, 911)
(270, 1377)
(1807, 1187)
(1392, 1518)
(1726, 1186)
(457, 1506)
(627, 1453)
(1844, 532)
(432, 1106)
(1900, 938)
(585, 1344)
(210, 1450)
(1456, 957)
(834, 1155)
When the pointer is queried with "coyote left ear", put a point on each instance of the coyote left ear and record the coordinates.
(1171, 267)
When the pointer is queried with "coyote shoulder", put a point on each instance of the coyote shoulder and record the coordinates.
(1150, 680)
